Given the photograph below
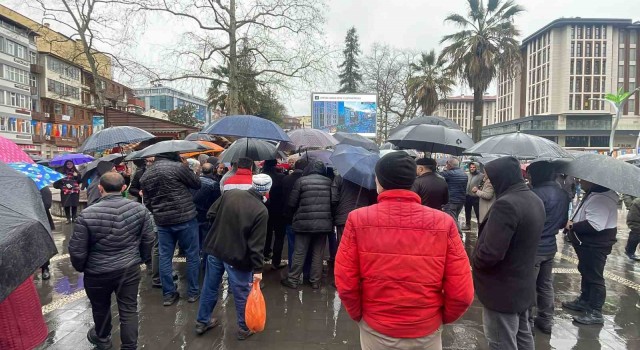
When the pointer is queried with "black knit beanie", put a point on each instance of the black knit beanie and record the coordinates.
(396, 170)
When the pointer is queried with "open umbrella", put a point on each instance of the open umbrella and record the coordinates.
(25, 239)
(307, 138)
(76, 158)
(115, 158)
(319, 154)
(40, 174)
(603, 170)
(213, 148)
(171, 146)
(247, 126)
(249, 148)
(431, 138)
(356, 164)
(356, 140)
(114, 136)
(428, 120)
(199, 136)
(10, 152)
(519, 145)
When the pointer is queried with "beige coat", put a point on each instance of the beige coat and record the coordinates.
(487, 197)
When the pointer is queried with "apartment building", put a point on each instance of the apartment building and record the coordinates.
(17, 50)
(460, 110)
(163, 98)
(567, 66)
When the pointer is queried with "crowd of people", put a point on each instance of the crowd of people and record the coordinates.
(396, 256)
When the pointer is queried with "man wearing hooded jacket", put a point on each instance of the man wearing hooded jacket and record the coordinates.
(504, 258)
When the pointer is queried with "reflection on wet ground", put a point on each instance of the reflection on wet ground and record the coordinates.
(314, 319)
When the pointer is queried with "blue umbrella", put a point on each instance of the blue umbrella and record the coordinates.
(40, 174)
(76, 158)
(356, 164)
(247, 126)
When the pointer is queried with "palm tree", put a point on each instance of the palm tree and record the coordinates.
(485, 46)
(432, 82)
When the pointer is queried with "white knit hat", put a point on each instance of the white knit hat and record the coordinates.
(262, 182)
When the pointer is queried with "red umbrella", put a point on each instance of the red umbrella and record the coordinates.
(11, 153)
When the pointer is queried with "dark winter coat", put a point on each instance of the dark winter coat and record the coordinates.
(311, 201)
(47, 200)
(134, 189)
(287, 187)
(347, 197)
(69, 189)
(113, 234)
(457, 181)
(276, 194)
(204, 198)
(432, 189)
(633, 216)
(165, 186)
(556, 207)
(504, 258)
(239, 229)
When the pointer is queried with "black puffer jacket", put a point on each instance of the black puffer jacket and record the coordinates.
(310, 199)
(113, 234)
(165, 188)
(348, 197)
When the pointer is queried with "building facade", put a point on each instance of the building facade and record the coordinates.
(567, 67)
(17, 51)
(165, 99)
(460, 110)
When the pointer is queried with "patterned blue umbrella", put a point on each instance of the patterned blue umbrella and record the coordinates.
(40, 174)
(113, 137)
(76, 158)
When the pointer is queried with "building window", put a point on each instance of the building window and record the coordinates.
(588, 49)
(597, 32)
(621, 71)
(596, 50)
(57, 108)
(573, 32)
(34, 57)
(621, 37)
(632, 71)
(633, 38)
(16, 75)
(63, 68)
(577, 141)
(579, 32)
(599, 141)
(588, 33)
(622, 53)
(579, 49)
(579, 67)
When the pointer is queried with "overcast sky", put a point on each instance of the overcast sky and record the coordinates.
(405, 24)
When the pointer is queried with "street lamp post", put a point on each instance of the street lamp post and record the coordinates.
(617, 102)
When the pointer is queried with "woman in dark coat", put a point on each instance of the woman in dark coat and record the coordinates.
(69, 190)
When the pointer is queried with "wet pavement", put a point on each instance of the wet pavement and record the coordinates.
(315, 319)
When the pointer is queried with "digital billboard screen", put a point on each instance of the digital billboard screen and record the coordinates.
(353, 113)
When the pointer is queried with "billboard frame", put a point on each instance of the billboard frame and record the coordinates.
(375, 133)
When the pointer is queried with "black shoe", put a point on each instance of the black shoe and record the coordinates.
(285, 282)
(156, 283)
(466, 227)
(315, 285)
(175, 276)
(278, 266)
(169, 300)
(201, 328)
(590, 317)
(46, 274)
(100, 343)
(633, 257)
(576, 305)
(242, 335)
(543, 326)
(193, 299)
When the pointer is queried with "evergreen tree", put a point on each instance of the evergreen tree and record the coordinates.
(183, 115)
(350, 76)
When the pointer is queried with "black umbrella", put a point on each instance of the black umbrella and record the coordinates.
(113, 137)
(431, 138)
(171, 146)
(307, 138)
(199, 136)
(115, 158)
(25, 239)
(247, 126)
(519, 145)
(428, 120)
(249, 148)
(603, 170)
(356, 140)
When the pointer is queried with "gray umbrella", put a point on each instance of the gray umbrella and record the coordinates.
(603, 170)
(172, 146)
(250, 148)
(113, 137)
(428, 120)
(519, 145)
(307, 138)
(345, 138)
(431, 138)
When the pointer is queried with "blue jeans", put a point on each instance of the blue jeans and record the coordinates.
(291, 242)
(186, 235)
(240, 283)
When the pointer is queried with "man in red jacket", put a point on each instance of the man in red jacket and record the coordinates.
(401, 269)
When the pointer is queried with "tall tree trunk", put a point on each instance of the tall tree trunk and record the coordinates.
(477, 112)
(233, 61)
